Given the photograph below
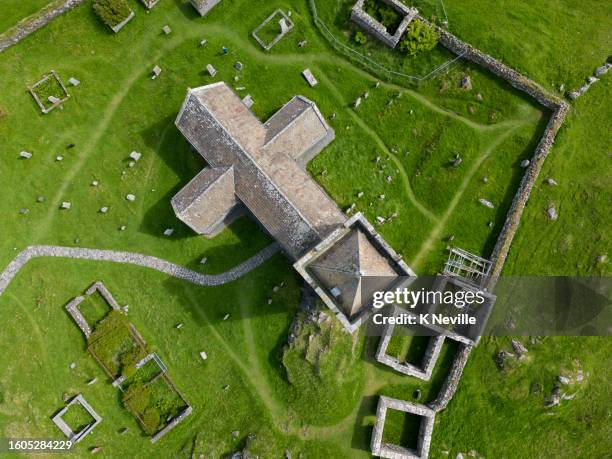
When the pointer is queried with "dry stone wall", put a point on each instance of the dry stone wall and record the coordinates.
(25, 28)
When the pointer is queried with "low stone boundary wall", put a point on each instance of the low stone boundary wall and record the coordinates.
(172, 424)
(513, 217)
(449, 387)
(35, 22)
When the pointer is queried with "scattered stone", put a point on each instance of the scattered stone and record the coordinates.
(66, 205)
(490, 224)
(135, 155)
(203, 355)
(563, 380)
(167, 29)
(40, 199)
(92, 381)
(471, 109)
(310, 78)
(451, 238)
(381, 197)
(53, 100)
(156, 72)
(485, 179)
(518, 347)
(389, 178)
(269, 301)
(601, 71)
(235, 433)
(525, 163)
(479, 97)
(131, 164)
(276, 289)
(380, 220)
(466, 83)
(103, 210)
(562, 87)
(360, 194)
(130, 197)
(168, 231)
(457, 160)
(288, 454)
(459, 456)
(472, 453)
(486, 203)
(24, 211)
(211, 70)
(72, 365)
(302, 43)
(602, 258)
(25, 154)
(366, 95)
(592, 79)
(73, 81)
(501, 357)
(550, 181)
(552, 213)
(226, 316)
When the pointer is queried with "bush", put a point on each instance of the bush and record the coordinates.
(112, 12)
(360, 38)
(419, 37)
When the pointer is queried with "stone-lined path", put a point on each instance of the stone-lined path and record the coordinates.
(163, 266)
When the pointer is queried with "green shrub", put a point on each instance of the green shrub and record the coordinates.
(112, 12)
(360, 38)
(419, 37)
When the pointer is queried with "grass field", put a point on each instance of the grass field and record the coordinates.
(318, 397)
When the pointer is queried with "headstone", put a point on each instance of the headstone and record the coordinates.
(73, 81)
(168, 231)
(130, 197)
(525, 163)
(135, 155)
(203, 42)
(96, 449)
(479, 97)
(550, 181)
(72, 365)
(94, 183)
(53, 100)
(592, 79)
(59, 158)
(357, 102)
(381, 197)
(92, 381)
(235, 434)
(225, 50)
(122, 228)
(486, 203)
(360, 194)
(563, 380)
(552, 213)
(131, 164)
(25, 154)
(284, 27)
(466, 83)
(40, 199)
(226, 316)
(302, 43)
(24, 211)
(211, 70)
(601, 71)
(203, 260)
(66, 205)
(179, 326)
(167, 29)
(366, 95)
(124, 430)
(248, 101)
(204, 355)
(156, 72)
(103, 210)
(380, 219)
(310, 78)
(238, 66)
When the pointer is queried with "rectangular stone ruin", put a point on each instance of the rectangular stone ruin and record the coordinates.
(285, 26)
(76, 437)
(424, 369)
(73, 306)
(204, 6)
(391, 451)
(55, 99)
(360, 17)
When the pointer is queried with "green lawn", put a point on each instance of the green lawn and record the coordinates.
(14, 11)
(318, 397)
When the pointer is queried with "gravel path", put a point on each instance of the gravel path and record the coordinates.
(138, 259)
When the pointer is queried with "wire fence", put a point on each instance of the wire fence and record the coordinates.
(367, 61)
